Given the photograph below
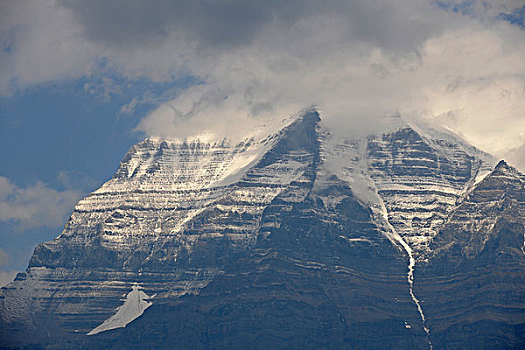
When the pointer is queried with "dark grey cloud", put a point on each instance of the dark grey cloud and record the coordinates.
(232, 23)
(137, 22)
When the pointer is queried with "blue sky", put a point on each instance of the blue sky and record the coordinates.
(69, 139)
(81, 82)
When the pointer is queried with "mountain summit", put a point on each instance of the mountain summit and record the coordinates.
(292, 237)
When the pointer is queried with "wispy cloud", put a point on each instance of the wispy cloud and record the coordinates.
(5, 276)
(35, 206)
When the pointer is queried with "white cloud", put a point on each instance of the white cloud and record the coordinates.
(516, 157)
(470, 79)
(7, 277)
(41, 43)
(35, 206)
(357, 61)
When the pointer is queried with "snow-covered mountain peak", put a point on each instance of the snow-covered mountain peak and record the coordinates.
(439, 135)
(413, 172)
(203, 161)
(240, 130)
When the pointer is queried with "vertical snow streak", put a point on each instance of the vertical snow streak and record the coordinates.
(378, 207)
(396, 238)
(361, 182)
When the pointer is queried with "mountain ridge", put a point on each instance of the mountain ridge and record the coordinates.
(476, 267)
(293, 218)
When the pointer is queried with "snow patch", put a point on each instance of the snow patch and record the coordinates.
(134, 305)
(346, 158)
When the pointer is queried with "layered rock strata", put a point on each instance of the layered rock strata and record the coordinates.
(291, 237)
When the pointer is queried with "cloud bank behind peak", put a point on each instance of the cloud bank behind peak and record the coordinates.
(458, 64)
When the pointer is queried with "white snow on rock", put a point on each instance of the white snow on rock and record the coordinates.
(406, 167)
(135, 304)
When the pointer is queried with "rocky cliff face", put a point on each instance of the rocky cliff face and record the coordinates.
(289, 238)
(172, 215)
(414, 174)
(473, 283)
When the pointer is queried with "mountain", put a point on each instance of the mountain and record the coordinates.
(292, 237)
(474, 280)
